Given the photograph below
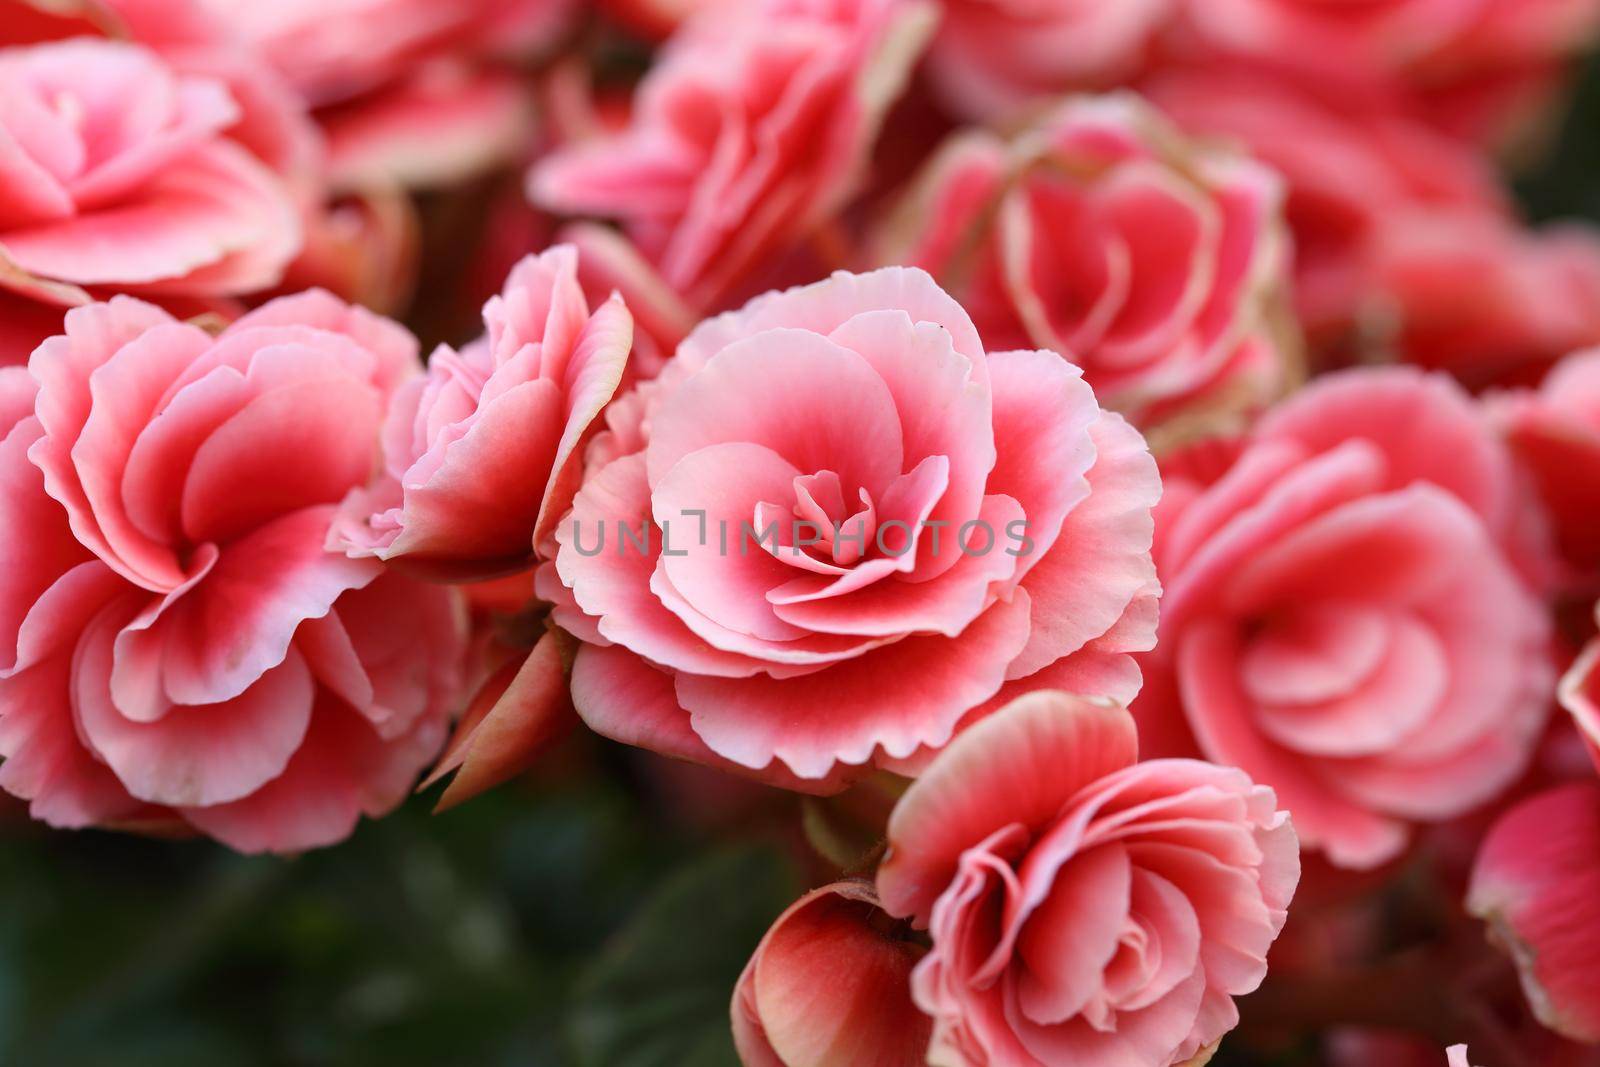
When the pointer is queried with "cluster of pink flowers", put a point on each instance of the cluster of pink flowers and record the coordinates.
(1139, 439)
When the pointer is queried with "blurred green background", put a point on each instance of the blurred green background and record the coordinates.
(588, 916)
(581, 922)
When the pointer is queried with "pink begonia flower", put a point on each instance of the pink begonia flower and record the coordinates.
(1485, 299)
(484, 453)
(750, 131)
(1554, 433)
(993, 58)
(1537, 884)
(176, 646)
(443, 125)
(835, 528)
(1086, 910)
(830, 984)
(116, 176)
(1354, 165)
(335, 50)
(361, 246)
(1343, 618)
(1156, 266)
(188, 35)
(1477, 68)
(385, 78)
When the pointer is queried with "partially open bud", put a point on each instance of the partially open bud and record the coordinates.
(831, 984)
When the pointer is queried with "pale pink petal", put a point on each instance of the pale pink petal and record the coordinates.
(1221, 717)
(1018, 765)
(205, 754)
(816, 404)
(1425, 425)
(236, 623)
(1101, 563)
(622, 697)
(752, 720)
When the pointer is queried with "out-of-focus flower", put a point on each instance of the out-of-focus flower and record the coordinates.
(178, 647)
(335, 50)
(1457, 1056)
(1366, 37)
(1537, 884)
(484, 453)
(121, 180)
(750, 131)
(270, 120)
(1085, 909)
(1354, 166)
(444, 124)
(1498, 80)
(1156, 266)
(1343, 618)
(1483, 298)
(830, 984)
(995, 57)
(410, 91)
(834, 486)
(1554, 433)
(1478, 67)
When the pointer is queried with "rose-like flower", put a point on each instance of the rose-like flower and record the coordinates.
(748, 133)
(1476, 65)
(1483, 298)
(1354, 165)
(119, 179)
(834, 489)
(335, 50)
(1554, 433)
(443, 125)
(1342, 618)
(1537, 884)
(193, 39)
(1085, 910)
(994, 57)
(1364, 37)
(830, 984)
(404, 90)
(176, 646)
(1155, 266)
(1500, 77)
(361, 247)
(482, 455)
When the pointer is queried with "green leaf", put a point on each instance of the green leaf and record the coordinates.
(657, 996)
